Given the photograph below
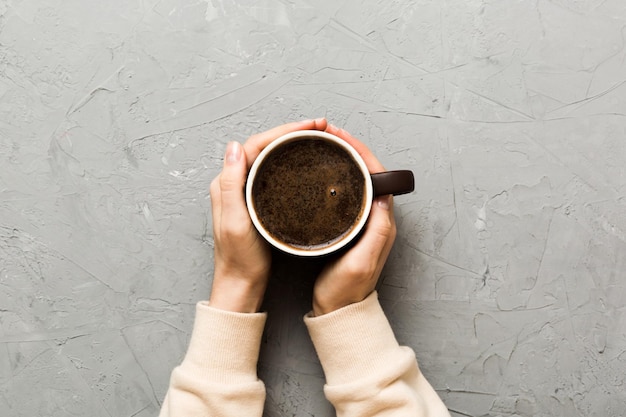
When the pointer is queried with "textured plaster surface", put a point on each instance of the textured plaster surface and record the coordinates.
(508, 277)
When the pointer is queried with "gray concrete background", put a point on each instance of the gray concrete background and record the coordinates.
(508, 275)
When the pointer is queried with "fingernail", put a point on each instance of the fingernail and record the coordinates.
(383, 202)
(233, 153)
(319, 120)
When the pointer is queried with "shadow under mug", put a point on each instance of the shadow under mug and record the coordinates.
(377, 184)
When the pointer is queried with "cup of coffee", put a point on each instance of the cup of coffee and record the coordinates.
(309, 193)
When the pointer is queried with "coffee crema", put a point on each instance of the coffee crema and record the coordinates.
(309, 193)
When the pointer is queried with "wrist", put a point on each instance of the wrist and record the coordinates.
(319, 308)
(235, 295)
(325, 305)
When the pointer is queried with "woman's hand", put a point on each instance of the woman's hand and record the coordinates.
(242, 257)
(353, 276)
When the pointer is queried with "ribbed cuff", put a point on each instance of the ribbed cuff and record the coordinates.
(353, 341)
(224, 346)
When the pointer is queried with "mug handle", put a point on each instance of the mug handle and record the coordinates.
(393, 182)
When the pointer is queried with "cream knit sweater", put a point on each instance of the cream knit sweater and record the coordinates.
(367, 372)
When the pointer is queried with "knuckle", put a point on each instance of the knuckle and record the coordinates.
(386, 229)
(393, 232)
(227, 183)
(360, 271)
(234, 231)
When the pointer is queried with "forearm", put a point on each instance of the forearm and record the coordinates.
(218, 374)
(367, 372)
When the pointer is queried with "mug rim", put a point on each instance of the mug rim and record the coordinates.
(368, 195)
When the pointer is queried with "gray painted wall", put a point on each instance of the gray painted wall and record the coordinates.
(508, 275)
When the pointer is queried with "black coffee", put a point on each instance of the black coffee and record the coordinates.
(308, 193)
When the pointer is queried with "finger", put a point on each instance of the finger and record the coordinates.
(233, 210)
(385, 204)
(216, 203)
(381, 222)
(372, 163)
(256, 143)
(380, 233)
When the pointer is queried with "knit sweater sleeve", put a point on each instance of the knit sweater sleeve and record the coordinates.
(218, 374)
(367, 372)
